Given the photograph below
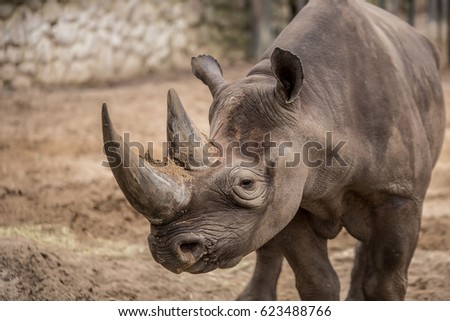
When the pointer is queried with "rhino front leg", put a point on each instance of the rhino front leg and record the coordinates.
(356, 292)
(381, 263)
(263, 285)
(307, 255)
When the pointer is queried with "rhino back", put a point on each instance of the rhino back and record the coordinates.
(371, 79)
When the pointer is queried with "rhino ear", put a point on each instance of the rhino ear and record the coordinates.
(208, 70)
(288, 70)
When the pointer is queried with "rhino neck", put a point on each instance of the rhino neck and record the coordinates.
(261, 68)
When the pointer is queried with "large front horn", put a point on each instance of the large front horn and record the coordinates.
(153, 193)
(187, 142)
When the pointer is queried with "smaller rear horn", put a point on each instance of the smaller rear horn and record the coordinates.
(152, 192)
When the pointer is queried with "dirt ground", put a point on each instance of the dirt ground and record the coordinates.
(67, 233)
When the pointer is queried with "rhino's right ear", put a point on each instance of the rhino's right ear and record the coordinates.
(288, 70)
(208, 70)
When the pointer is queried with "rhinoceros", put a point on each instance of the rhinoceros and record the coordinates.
(345, 69)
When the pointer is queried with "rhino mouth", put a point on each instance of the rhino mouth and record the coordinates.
(189, 253)
(204, 265)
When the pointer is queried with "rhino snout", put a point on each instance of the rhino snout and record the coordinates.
(180, 254)
(189, 249)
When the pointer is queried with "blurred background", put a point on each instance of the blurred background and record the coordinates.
(66, 230)
(78, 42)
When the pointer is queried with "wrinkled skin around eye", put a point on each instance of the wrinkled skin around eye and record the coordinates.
(248, 187)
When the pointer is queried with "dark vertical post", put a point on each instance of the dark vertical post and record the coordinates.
(446, 22)
(448, 33)
(295, 6)
(441, 22)
(301, 4)
(411, 11)
(262, 26)
(393, 6)
(396, 6)
(382, 3)
(433, 21)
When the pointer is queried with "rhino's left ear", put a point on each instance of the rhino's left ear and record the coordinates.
(288, 70)
(208, 70)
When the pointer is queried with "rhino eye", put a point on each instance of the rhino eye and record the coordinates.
(247, 183)
(248, 187)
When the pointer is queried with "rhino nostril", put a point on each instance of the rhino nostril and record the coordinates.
(191, 251)
(188, 247)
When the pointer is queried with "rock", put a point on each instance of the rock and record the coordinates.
(29, 55)
(144, 11)
(157, 36)
(177, 10)
(123, 9)
(51, 11)
(83, 18)
(178, 60)
(158, 48)
(104, 68)
(28, 68)
(71, 11)
(35, 27)
(156, 58)
(149, 35)
(91, 23)
(78, 73)
(149, 12)
(170, 11)
(103, 35)
(115, 40)
(153, 62)
(51, 74)
(132, 67)
(8, 72)
(125, 30)
(193, 14)
(44, 50)
(118, 27)
(3, 38)
(14, 30)
(106, 21)
(84, 46)
(21, 81)
(137, 31)
(65, 33)
(6, 9)
(35, 34)
(140, 48)
(179, 40)
(63, 54)
(34, 5)
(56, 42)
(13, 54)
(119, 57)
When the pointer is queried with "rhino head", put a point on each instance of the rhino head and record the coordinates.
(209, 214)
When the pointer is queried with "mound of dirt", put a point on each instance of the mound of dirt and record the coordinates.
(29, 271)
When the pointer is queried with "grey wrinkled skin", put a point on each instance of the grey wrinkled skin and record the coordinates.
(342, 66)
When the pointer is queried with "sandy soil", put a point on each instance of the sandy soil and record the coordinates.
(67, 233)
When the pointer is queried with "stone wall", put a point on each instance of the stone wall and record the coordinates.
(75, 42)
(83, 42)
